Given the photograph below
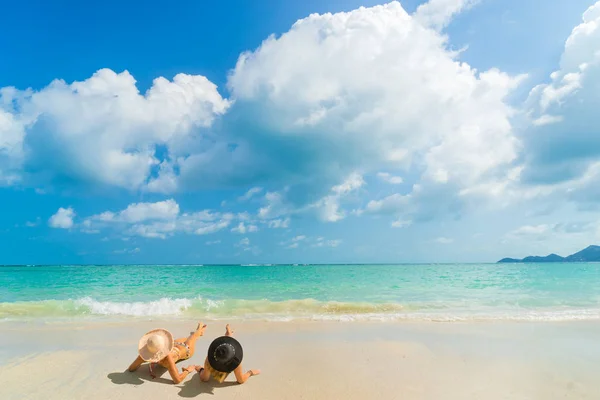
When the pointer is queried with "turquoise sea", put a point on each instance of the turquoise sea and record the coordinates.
(441, 292)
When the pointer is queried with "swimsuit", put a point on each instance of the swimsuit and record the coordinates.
(175, 356)
(187, 352)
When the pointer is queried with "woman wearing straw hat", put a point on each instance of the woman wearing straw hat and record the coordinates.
(225, 356)
(158, 347)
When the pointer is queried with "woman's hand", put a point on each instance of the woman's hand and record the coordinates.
(189, 369)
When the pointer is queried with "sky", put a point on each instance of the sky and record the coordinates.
(330, 131)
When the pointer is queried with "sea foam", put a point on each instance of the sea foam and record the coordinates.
(287, 310)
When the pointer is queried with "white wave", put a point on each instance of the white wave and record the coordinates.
(164, 306)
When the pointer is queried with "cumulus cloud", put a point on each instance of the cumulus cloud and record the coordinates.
(389, 178)
(294, 242)
(328, 208)
(377, 70)
(563, 230)
(275, 206)
(11, 145)
(159, 220)
(251, 193)
(400, 223)
(128, 251)
(243, 228)
(563, 142)
(438, 13)
(102, 131)
(279, 223)
(63, 219)
(336, 98)
(320, 241)
(139, 212)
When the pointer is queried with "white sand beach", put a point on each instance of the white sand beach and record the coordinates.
(312, 361)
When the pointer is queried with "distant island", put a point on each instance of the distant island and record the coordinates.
(589, 254)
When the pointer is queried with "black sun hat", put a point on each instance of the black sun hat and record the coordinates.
(225, 354)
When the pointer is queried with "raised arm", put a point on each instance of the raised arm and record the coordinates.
(136, 364)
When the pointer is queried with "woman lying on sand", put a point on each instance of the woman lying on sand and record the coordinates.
(225, 356)
(158, 347)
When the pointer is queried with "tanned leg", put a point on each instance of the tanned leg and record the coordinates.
(191, 340)
(240, 376)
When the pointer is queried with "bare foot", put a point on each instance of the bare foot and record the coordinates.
(254, 372)
(228, 330)
(200, 329)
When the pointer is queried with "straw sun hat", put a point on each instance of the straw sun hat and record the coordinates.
(155, 345)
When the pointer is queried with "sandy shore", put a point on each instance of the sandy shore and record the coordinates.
(312, 361)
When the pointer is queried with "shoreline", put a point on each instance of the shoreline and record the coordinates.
(314, 360)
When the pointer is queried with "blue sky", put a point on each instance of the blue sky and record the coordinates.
(315, 131)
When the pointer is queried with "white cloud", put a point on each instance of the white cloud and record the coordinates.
(159, 220)
(322, 105)
(11, 145)
(275, 207)
(444, 240)
(296, 241)
(562, 145)
(279, 223)
(140, 212)
(166, 181)
(438, 13)
(547, 120)
(391, 204)
(321, 242)
(333, 77)
(32, 224)
(128, 251)
(247, 248)
(102, 131)
(389, 178)
(213, 242)
(589, 230)
(328, 208)
(242, 228)
(528, 230)
(250, 193)
(400, 223)
(63, 219)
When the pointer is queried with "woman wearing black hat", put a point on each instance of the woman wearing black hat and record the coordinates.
(224, 357)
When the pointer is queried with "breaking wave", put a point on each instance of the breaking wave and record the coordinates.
(288, 310)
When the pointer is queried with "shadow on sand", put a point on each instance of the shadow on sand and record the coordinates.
(190, 388)
(193, 387)
(138, 377)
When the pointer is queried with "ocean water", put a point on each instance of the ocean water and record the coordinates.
(440, 292)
